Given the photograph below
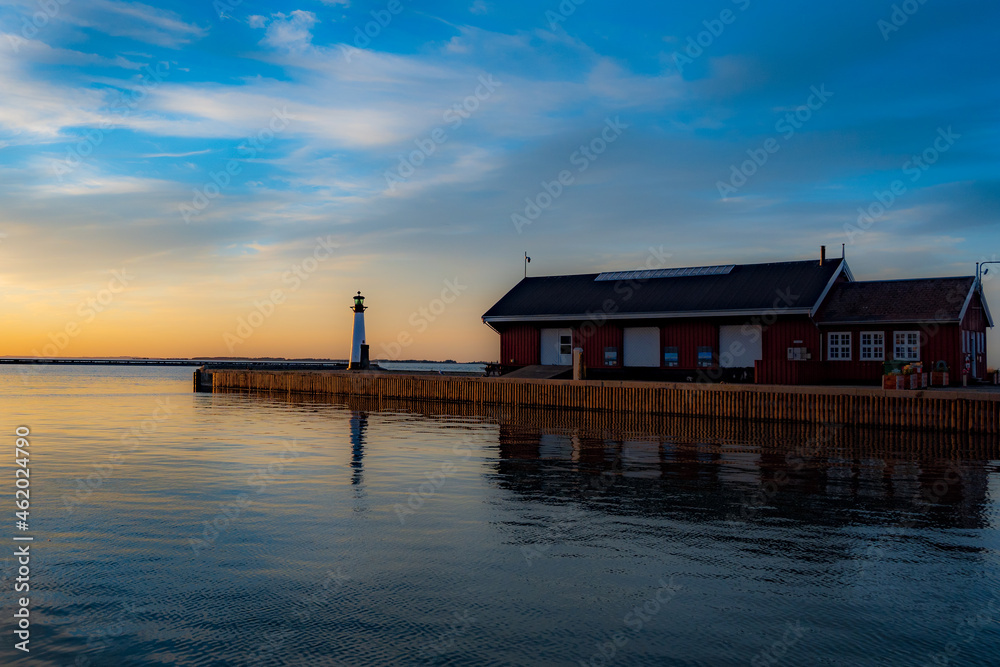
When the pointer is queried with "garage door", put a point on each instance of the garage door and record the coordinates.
(642, 346)
(557, 347)
(740, 345)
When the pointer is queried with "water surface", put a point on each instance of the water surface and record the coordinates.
(232, 529)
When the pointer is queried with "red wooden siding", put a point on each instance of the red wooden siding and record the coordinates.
(937, 342)
(775, 367)
(593, 339)
(975, 317)
(519, 345)
(782, 335)
(782, 371)
(688, 336)
(976, 322)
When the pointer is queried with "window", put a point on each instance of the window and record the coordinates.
(839, 347)
(704, 356)
(872, 346)
(671, 357)
(611, 356)
(907, 347)
(565, 345)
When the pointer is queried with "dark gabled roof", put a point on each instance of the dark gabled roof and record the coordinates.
(746, 289)
(917, 300)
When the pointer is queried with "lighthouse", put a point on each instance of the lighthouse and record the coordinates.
(359, 350)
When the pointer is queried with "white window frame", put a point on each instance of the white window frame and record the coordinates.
(906, 345)
(566, 347)
(838, 345)
(872, 347)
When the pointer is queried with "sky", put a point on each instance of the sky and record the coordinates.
(220, 178)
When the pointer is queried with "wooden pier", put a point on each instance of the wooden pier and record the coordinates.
(920, 410)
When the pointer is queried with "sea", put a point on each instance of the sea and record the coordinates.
(166, 527)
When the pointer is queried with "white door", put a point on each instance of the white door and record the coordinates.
(557, 347)
(740, 345)
(642, 346)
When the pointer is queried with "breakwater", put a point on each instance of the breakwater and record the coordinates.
(921, 410)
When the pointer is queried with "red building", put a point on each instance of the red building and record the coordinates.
(804, 322)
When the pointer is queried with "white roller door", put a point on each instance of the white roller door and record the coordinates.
(557, 347)
(642, 346)
(740, 345)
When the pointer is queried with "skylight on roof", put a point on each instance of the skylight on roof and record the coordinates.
(667, 273)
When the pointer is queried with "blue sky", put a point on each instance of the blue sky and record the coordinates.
(205, 148)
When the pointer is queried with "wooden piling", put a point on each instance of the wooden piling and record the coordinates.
(953, 411)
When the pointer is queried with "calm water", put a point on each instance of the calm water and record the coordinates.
(192, 529)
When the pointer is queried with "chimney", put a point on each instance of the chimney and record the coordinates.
(822, 255)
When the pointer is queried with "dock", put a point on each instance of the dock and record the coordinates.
(955, 411)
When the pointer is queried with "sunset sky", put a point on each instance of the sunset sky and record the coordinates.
(168, 171)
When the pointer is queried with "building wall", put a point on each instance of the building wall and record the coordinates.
(519, 345)
(782, 335)
(976, 322)
(938, 342)
(593, 339)
(975, 317)
(689, 335)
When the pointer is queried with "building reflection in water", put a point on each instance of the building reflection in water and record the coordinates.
(737, 471)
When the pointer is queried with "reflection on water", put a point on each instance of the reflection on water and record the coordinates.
(359, 422)
(181, 528)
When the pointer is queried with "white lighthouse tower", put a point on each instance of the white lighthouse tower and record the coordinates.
(359, 361)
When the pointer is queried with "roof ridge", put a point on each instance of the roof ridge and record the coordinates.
(666, 268)
(908, 280)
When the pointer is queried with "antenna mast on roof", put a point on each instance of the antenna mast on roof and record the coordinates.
(527, 260)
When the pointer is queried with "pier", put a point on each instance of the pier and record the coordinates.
(897, 410)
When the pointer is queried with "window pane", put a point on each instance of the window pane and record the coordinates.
(565, 345)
